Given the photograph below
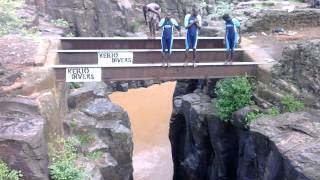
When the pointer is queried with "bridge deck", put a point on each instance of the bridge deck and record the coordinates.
(156, 71)
(135, 43)
(80, 59)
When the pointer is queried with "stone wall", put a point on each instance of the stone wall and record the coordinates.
(267, 20)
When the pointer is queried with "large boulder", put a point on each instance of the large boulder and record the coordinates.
(282, 147)
(22, 138)
(93, 17)
(108, 129)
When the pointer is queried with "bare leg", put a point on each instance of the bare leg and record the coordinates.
(168, 59)
(186, 57)
(163, 59)
(194, 58)
(231, 56)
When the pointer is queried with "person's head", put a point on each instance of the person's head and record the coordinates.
(226, 17)
(167, 15)
(194, 11)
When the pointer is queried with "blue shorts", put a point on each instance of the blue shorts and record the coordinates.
(166, 44)
(191, 41)
(231, 43)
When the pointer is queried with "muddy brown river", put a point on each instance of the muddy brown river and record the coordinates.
(149, 110)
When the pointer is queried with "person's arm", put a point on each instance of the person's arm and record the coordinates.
(239, 32)
(155, 11)
(186, 21)
(176, 25)
(161, 23)
(198, 21)
(238, 26)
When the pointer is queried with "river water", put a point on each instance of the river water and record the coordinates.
(149, 110)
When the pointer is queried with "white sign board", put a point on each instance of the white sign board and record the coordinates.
(83, 74)
(114, 58)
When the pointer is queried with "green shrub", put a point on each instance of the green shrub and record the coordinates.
(95, 155)
(9, 21)
(232, 94)
(86, 138)
(60, 23)
(134, 26)
(74, 85)
(252, 116)
(7, 174)
(63, 165)
(291, 104)
(273, 111)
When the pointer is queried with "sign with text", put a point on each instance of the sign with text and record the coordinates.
(109, 58)
(83, 74)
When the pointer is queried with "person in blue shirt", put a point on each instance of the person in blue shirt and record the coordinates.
(167, 24)
(232, 36)
(192, 23)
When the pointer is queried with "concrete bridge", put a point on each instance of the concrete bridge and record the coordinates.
(110, 59)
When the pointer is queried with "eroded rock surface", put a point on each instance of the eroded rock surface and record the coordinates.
(108, 127)
(22, 138)
(279, 148)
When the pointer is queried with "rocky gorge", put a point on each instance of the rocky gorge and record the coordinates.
(281, 147)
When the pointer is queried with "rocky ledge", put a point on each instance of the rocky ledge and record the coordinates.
(204, 147)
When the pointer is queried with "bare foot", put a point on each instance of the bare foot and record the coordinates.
(194, 64)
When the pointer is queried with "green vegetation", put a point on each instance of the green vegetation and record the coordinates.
(86, 138)
(63, 159)
(134, 26)
(60, 23)
(74, 85)
(232, 94)
(95, 155)
(273, 111)
(291, 104)
(9, 22)
(222, 7)
(7, 174)
(257, 113)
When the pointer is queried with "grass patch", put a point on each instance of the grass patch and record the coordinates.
(63, 159)
(8, 174)
(291, 104)
(95, 155)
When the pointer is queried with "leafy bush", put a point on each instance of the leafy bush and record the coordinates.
(291, 104)
(273, 111)
(74, 85)
(86, 138)
(7, 174)
(232, 94)
(60, 23)
(9, 21)
(63, 165)
(252, 116)
(95, 155)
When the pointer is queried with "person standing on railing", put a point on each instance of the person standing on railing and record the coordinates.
(192, 23)
(151, 13)
(232, 36)
(167, 24)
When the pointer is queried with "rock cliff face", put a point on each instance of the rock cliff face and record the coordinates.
(266, 20)
(297, 73)
(93, 17)
(204, 147)
(22, 137)
(113, 18)
(107, 125)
